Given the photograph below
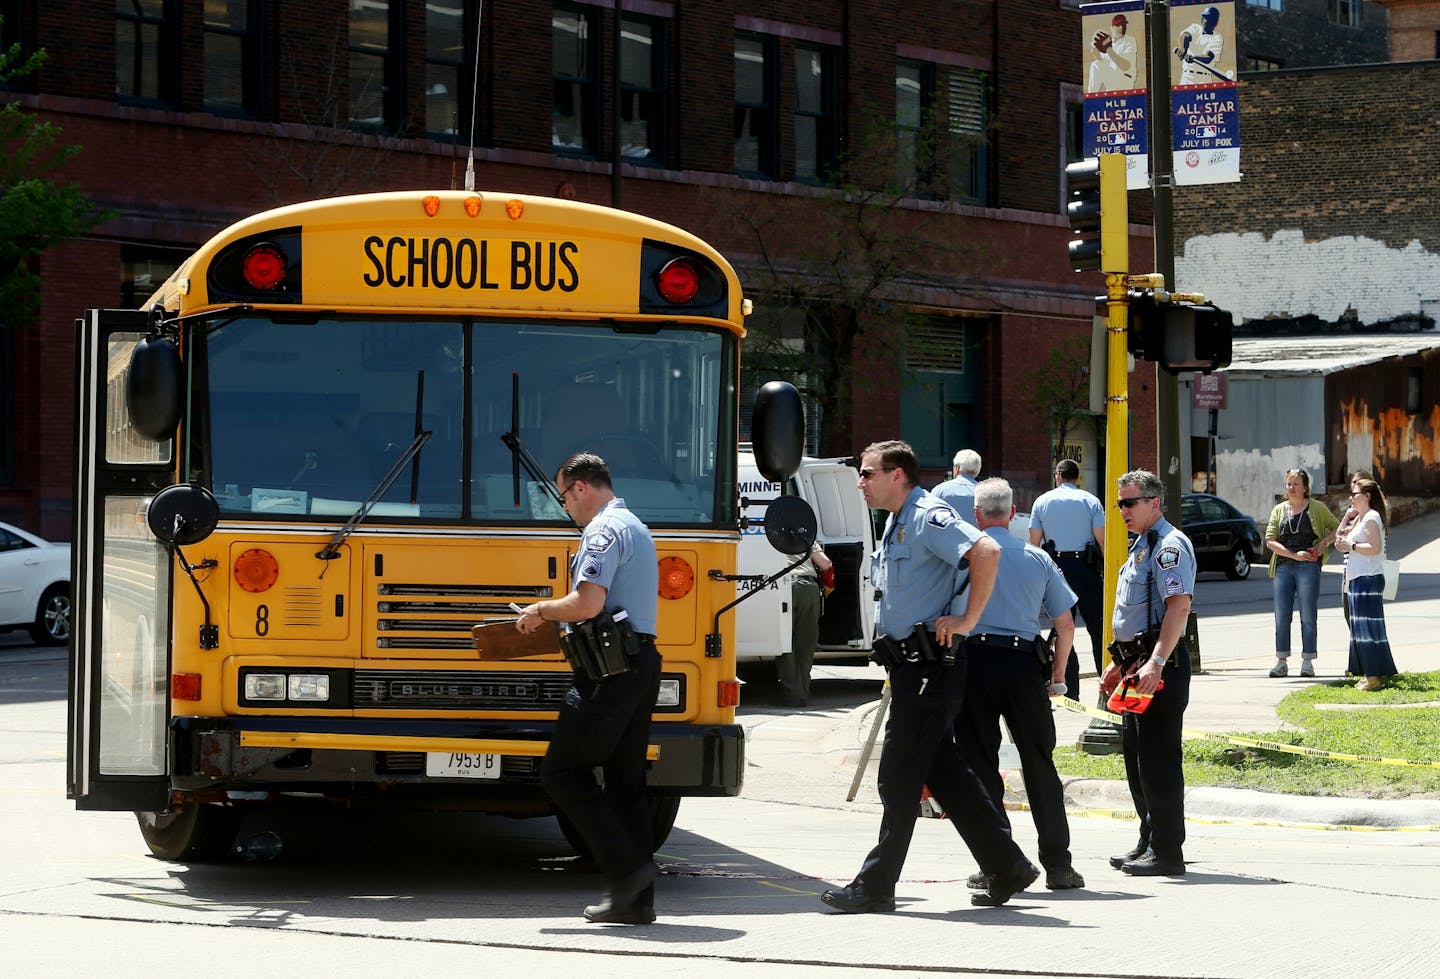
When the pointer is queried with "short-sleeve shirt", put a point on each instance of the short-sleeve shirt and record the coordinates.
(1067, 515)
(617, 553)
(1161, 564)
(1029, 590)
(918, 563)
(960, 494)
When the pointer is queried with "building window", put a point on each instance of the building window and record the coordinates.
(232, 65)
(448, 26)
(376, 91)
(1255, 62)
(966, 137)
(642, 89)
(1346, 13)
(755, 99)
(576, 109)
(1072, 135)
(940, 396)
(1266, 4)
(145, 51)
(815, 143)
(913, 88)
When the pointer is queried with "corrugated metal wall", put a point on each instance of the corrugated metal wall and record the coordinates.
(1269, 425)
(1385, 418)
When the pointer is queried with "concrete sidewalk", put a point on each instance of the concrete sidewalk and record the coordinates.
(1233, 694)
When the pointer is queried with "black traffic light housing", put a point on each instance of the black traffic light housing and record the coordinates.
(1099, 214)
(1179, 336)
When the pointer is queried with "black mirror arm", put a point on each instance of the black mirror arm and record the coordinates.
(209, 634)
(713, 646)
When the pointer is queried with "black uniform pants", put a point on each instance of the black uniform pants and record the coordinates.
(1089, 589)
(1011, 683)
(606, 725)
(1151, 746)
(920, 751)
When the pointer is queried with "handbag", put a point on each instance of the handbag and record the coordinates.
(1392, 580)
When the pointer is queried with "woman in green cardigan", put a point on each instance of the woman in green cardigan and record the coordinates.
(1298, 534)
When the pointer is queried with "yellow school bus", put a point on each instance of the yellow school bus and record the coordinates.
(324, 450)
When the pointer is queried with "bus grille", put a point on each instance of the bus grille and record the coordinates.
(407, 608)
(459, 690)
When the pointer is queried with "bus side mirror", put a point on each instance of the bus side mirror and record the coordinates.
(154, 388)
(790, 525)
(183, 514)
(777, 431)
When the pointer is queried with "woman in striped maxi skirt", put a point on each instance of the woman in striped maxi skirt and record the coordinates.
(1364, 544)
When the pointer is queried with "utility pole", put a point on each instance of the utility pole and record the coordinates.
(1162, 183)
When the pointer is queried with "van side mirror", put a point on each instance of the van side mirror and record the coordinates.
(154, 388)
(790, 525)
(777, 431)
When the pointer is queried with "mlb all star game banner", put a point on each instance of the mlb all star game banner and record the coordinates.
(1116, 102)
(1204, 104)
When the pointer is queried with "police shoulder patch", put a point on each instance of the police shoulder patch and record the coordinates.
(1168, 557)
(1173, 584)
(940, 516)
(591, 569)
(600, 541)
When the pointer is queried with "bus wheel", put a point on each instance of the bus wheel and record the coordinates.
(197, 832)
(663, 810)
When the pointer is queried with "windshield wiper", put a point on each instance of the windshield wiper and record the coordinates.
(332, 550)
(520, 456)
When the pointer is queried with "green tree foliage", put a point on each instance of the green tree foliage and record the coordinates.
(38, 208)
(1059, 388)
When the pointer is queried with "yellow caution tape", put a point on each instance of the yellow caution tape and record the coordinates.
(1290, 749)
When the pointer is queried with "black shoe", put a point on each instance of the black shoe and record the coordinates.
(1148, 864)
(1063, 879)
(606, 913)
(1004, 885)
(855, 900)
(627, 890)
(978, 881)
(1120, 859)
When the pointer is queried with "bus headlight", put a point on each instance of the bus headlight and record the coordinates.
(669, 697)
(264, 686)
(309, 686)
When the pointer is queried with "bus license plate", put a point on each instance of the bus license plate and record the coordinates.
(455, 764)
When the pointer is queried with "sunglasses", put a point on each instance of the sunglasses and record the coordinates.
(871, 473)
(1126, 504)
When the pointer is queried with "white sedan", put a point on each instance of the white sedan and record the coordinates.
(34, 586)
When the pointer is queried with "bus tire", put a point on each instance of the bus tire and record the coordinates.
(663, 810)
(195, 833)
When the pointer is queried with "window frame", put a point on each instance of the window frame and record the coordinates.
(252, 63)
(977, 143)
(464, 74)
(918, 178)
(658, 88)
(166, 55)
(1347, 13)
(767, 135)
(392, 73)
(827, 143)
(587, 87)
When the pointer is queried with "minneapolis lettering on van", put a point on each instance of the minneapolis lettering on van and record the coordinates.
(465, 263)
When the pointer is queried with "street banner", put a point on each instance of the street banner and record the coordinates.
(1204, 104)
(1116, 102)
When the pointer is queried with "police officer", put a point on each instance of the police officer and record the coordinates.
(959, 491)
(1069, 524)
(606, 722)
(1152, 607)
(924, 550)
(792, 670)
(1009, 675)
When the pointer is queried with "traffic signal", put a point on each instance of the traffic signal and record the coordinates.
(1180, 336)
(1099, 214)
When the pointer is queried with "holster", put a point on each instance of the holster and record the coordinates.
(887, 653)
(1125, 652)
(931, 651)
(1095, 557)
(600, 647)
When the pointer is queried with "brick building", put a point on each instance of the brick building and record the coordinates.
(736, 120)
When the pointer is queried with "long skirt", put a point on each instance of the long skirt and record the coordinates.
(1369, 645)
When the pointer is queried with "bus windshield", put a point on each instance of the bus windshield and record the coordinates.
(306, 418)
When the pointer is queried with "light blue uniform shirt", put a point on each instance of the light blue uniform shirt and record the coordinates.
(1069, 516)
(960, 494)
(1160, 570)
(1029, 590)
(617, 553)
(918, 563)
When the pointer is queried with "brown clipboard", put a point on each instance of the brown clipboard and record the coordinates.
(498, 639)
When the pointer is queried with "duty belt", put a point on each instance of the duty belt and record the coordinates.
(999, 642)
(921, 646)
(1079, 553)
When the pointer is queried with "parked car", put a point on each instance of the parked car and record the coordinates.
(1224, 538)
(34, 586)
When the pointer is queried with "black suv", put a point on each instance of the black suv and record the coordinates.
(1224, 538)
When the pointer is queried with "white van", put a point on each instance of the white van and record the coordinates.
(847, 623)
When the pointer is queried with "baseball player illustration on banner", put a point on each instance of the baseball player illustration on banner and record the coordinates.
(1200, 48)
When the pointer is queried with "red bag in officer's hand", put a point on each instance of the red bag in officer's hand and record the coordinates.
(1125, 699)
(827, 579)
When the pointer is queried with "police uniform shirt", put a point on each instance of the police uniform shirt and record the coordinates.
(1030, 590)
(1162, 571)
(917, 561)
(960, 494)
(617, 553)
(1067, 516)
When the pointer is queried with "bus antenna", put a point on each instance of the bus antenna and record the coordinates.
(474, 99)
